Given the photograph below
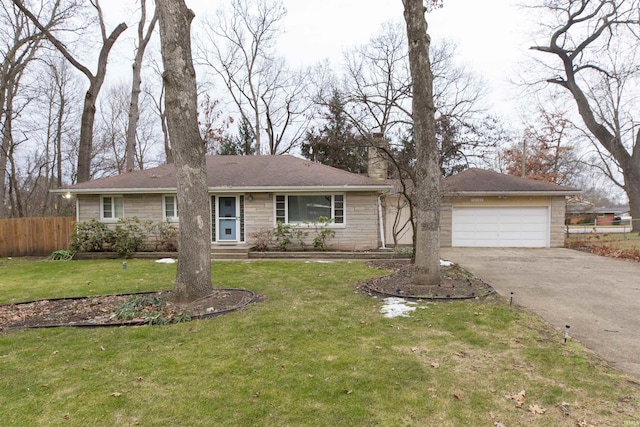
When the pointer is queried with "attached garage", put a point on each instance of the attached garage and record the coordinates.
(508, 226)
(481, 208)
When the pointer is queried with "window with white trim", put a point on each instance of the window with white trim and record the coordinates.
(307, 208)
(170, 207)
(111, 207)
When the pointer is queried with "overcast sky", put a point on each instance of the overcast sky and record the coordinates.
(492, 40)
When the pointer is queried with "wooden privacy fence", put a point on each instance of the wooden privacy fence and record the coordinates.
(35, 236)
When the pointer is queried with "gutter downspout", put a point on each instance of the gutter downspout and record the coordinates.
(380, 219)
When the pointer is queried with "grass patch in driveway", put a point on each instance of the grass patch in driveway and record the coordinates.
(314, 353)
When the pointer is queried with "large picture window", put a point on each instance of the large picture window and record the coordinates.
(111, 207)
(170, 208)
(307, 208)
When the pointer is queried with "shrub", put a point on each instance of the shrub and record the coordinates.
(285, 234)
(92, 236)
(263, 239)
(322, 233)
(128, 236)
(163, 236)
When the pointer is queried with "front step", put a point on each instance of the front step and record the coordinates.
(222, 252)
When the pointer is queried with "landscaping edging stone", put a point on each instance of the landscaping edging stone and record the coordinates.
(254, 255)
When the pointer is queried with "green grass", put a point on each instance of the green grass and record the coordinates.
(315, 352)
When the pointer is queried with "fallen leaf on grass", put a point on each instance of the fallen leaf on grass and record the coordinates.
(537, 409)
(458, 395)
(584, 423)
(519, 398)
(435, 365)
(116, 394)
(348, 391)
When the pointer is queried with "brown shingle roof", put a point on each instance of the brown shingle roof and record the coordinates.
(237, 172)
(476, 180)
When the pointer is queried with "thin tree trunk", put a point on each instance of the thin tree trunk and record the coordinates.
(134, 109)
(193, 278)
(427, 192)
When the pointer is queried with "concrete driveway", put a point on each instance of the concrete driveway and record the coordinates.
(598, 297)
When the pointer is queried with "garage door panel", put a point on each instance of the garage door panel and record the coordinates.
(500, 226)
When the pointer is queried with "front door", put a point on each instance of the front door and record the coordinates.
(227, 219)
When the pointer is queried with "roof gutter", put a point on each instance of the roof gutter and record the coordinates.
(511, 193)
(234, 190)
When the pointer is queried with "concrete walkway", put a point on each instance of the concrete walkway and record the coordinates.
(598, 297)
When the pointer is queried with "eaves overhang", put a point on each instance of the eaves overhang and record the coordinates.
(248, 189)
(510, 193)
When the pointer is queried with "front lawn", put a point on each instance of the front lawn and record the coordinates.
(314, 352)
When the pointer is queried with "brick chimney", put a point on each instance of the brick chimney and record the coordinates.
(377, 165)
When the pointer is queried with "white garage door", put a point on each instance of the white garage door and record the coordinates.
(502, 227)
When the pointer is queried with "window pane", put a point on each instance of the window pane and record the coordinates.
(107, 210)
(118, 207)
(338, 209)
(213, 218)
(170, 207)
(280, 209)
(308, 208)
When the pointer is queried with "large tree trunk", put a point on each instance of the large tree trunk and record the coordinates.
(193, 279)
(427, 191)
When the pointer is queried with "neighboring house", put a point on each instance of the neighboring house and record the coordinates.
(247, 194)
(250, 194)
(582, 212)
(481, 208)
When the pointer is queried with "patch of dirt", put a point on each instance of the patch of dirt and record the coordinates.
(456, 283)
(140, 308)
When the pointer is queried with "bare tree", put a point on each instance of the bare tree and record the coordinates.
(595, 47)
(427, 191)
(193, 278)
(157, 100)
(95, 80)
(136, 82)
(110, 133)
(55, 113)
(19, 43)
(377, 81)
(240, 47)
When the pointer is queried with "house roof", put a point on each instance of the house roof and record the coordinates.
(237, 173)
(476, 181)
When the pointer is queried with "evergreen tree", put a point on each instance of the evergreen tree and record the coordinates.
(336, 143)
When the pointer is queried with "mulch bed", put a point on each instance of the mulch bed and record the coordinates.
(101, 310)
(456, 283)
